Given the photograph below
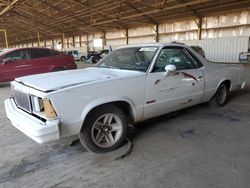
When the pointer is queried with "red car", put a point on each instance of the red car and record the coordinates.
(26, 61)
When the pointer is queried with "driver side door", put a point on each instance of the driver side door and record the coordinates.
(181, 89)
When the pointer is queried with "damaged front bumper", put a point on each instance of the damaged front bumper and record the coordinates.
(39, 131)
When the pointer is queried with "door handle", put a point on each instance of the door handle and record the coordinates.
(200, 77)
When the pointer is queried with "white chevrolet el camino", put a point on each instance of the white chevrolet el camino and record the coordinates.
(132, 84)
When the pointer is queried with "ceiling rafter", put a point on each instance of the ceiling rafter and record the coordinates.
(9, 6)
(24, 18)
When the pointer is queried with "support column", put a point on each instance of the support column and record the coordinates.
(199, 28)
(126, 36)
(38, 38)
(103, 40)
(53, 44)
(67, 42)
(87, 42)
(6, 39)
(156, 30)
(73, 41)
(80, 40)
(63, 40)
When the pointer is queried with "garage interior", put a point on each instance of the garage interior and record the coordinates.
(200, 146)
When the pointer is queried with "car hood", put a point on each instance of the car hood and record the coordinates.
(58, 80)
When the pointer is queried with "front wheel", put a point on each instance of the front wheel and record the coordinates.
(104, 130)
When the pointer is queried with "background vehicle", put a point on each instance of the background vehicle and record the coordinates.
(95, 57)
(26, 61)
(131, 84)
(75, 54)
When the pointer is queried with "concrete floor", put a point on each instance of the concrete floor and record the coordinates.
(197, 147)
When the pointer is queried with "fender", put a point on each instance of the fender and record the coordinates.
(90, 106)
(220, 82)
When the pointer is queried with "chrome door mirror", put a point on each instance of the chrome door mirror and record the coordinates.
(170, 69)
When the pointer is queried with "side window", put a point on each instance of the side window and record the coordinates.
(14, 56)
(53, 53)
(1, 60)
(40, 53)
(197, 62)
(173, 56)
(35, 53)
(26, 54)
(18, 55)
(45, 53)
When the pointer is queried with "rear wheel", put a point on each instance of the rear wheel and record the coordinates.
(104, 130)
(221, 96)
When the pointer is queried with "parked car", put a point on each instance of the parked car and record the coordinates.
(75, 54)
(26, 61)
(132, 84)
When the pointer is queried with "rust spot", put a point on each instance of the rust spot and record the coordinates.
(186, 75)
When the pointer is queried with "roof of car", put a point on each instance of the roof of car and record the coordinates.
(154, 45)
(12, 49)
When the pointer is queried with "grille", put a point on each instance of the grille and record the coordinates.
(22, 100)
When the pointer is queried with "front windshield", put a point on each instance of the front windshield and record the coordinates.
(132, 58)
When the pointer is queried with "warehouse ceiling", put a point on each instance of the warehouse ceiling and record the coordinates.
(23, 19)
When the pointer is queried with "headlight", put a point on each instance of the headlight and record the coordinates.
(37, 104)
(48, 109)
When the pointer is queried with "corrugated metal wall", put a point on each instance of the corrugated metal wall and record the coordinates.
(215, 29)
(222, 49)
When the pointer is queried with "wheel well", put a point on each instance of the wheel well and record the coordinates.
(58, 69)
(124, 106)
(227, 83)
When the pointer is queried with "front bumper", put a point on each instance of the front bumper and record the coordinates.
(39, 131)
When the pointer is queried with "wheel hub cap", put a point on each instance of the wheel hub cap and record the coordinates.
(107, 130)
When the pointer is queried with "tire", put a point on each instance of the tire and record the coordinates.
(82, 58)
(58, 69)
(221, 96)
(104, 129)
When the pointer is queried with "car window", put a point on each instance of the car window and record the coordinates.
(173, 56)
(53, 52)
(19, 55)
(132, 58)
(197, 62)
(70, 53)
(40, 53)
(1, 60)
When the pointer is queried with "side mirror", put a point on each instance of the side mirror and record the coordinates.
(7, 61)
(170, 69)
